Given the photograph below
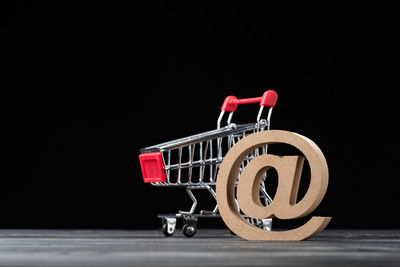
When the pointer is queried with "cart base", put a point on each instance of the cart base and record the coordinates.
(189, 228)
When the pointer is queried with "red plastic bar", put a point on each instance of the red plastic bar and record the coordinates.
(267, 100)
(248, 100)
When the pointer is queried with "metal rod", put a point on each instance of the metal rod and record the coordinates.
(191, 154)
(192, 209)
(221, 115)
(201, 165)
(179, 164)
(204, 160)
(215, 210)
(229, 118)
(211, 159)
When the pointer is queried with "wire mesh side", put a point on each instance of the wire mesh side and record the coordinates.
(197, 164)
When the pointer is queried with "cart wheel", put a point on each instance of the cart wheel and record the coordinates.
(266, 224)
(168, 226)
(188, 230)
(164, 230)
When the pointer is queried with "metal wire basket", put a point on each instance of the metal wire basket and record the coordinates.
(193, 162)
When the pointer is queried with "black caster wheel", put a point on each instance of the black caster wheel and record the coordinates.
(188, 230)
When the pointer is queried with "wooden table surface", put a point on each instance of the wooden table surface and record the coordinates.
(208, 248)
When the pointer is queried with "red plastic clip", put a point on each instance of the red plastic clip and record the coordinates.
(269, 99)
(230, 104)
(152, 167)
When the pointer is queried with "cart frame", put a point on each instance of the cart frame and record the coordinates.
(193, 162)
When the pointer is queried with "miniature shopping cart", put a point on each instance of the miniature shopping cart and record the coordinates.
(193, 162)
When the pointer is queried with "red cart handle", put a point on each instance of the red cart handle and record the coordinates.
(267, 100)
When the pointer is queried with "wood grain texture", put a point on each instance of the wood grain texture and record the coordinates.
(284, 204)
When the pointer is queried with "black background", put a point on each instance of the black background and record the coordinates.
(85, 86)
